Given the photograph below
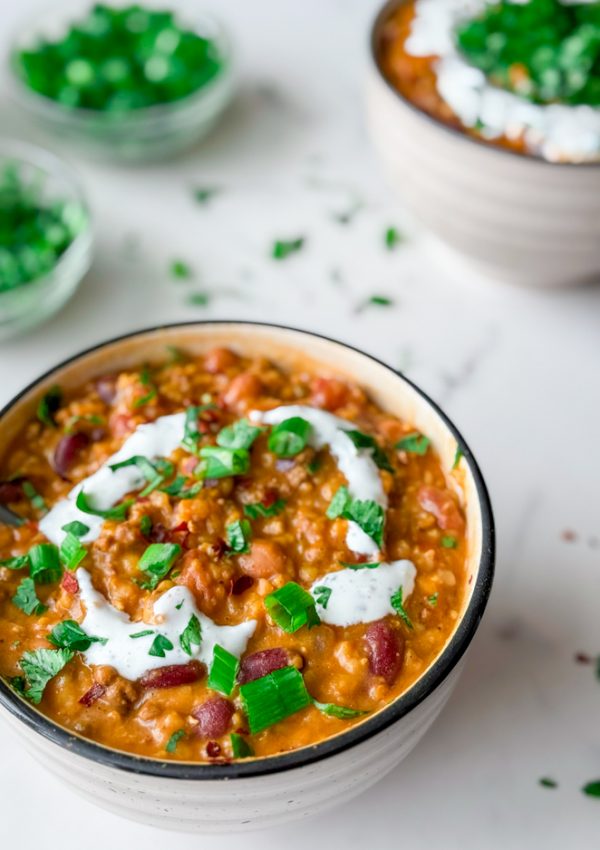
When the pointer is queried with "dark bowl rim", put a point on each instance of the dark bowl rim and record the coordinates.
(380, 17)
(402, 705)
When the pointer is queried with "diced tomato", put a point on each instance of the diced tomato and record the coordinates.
(442, 505)
(69, 582)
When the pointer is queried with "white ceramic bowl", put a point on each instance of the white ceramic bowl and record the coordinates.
(516, 218)
(264, 791)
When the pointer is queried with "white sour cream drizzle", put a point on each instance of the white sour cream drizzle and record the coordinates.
(129, 656)
(356, 465)
(557, 132)
(105, 488)
(362, 596)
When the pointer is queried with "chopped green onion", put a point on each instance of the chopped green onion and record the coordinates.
(72, 552)
(322, 595)
(26, 599)
(398, 606)
(146, 525)
(240, 748)
(282, 248)
(48, 406)
(44, 563)
(414, 443)
(157, 560)
(17, 563)
(240, 435)
(274, 697)
(222, 463)
(34, 497)
(339, 711)
(69, 635)
(372, 565)
(292, 607)
(238, 536)
(171, 745)
(223, 671)
(365, 441)
(289, 437)
(191, 433)
(192, 634)
(206, 193)
(146, 381)
(449, 542)
(79, 529)
(40, 666)
(258, 510)
(143, 633)
(119, 512)
(160, 646)
(457, 457)
(154, 473)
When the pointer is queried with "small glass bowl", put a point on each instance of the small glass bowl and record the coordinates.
(30, 303)
(139, 135)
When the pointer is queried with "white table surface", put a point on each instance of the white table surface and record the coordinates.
(518, 372)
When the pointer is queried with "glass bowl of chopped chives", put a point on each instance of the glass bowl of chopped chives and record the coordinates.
(45, 236)
(126, 82)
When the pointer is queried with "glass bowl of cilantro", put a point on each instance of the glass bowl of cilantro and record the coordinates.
(45, 236)
(127, 82)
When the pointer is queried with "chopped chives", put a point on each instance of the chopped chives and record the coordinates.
(171, 744)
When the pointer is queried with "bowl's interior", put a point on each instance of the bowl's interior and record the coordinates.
(297, 349)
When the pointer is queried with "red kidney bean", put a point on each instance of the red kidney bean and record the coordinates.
(95, 692)
(241, 585)
(66, 451)
(260, 663)
(173, 675)
(329, 393)
(11, 491)
(213, 750)
(385, 650)
(69, 582)
(106, 387)
(214, 717)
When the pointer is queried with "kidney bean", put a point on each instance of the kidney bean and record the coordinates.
(241, 585)
(173, 675)
(261, 663)
(66, 451)
(213, 750)
(214, 717)
(385, 650)
(11, 491)
(94, 693)
(442, 505)
(329, 393)
(265, 558)
(219, 359)
(106, 387)
(243, 388)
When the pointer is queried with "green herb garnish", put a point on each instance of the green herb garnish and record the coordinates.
(181, 270)
(240, 435)
(146, 381)
(238, 535)
(205, 194)
(274, 697)
(284, 248)
(396, 601)
(48, 406)
(70, 635)
(192, 634)
(181, 489)
(367, 514)
(146, 525)
(220, 462)
(26, 599)
(34, 497)
(322, 594)
(223, 671)
(365, 441)
(546, 782)
(433, 599)
(175, 738)
(39, 667)
(449, 542)
(457, 457)
(79, 529)
(154, 472)
(160, 646)
(592, 789)
(292, 607)
(143, 633)
(72, 552)
(257, 510)
(17, 563)
(371, 565)
(414, 443)
(119, 512)
(289, 437)
(240, 748)
(44, 563)
(339, 711)
(393, 238)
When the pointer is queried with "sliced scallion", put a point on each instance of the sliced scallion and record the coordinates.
(72, 551)
(223, 671)
(44, 563)
(292, 607)
(289, 437)
(157, 560)
(274, 697)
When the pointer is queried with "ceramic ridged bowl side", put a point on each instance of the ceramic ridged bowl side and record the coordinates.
(514, 217)
(295, 784)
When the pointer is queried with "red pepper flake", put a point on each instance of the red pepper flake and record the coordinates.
(183, 526)
(568, 535)
(69, 583)
(95, 692)
(213, 750)
(217, 548)
(583, 658)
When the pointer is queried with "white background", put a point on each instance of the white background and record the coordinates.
(518, 371)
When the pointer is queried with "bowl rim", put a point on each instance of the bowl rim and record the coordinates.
(26, 96)
(51, 164)
(401, 706)
(374, 52)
